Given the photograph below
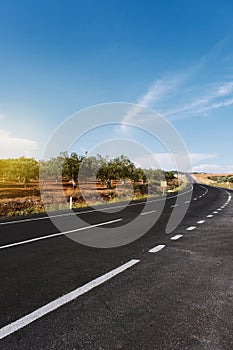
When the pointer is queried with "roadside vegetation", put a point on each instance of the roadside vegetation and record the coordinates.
(218, 180)
(221, 179)
(101, 178)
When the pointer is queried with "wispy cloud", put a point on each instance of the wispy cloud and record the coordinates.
(230, 168)
(218, 97)
(166, 161)
(159, 90)
(208, 168)
(198, 157)
(190, 92)
(2, 115)
(196, 91)
(225, 89)
(216, 105)
(13, 147)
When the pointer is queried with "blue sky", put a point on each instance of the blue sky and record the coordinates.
(175, 57)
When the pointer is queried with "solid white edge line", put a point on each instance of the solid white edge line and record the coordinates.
(44, 310)
(58, 234)
(91, 211)
(157, 248)
(206, 190)
(174, 238)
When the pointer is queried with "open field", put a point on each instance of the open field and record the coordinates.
(118, 180)
(204, 179)
(17, 199)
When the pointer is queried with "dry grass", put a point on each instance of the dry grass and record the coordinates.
(17, 200)
(203, 179)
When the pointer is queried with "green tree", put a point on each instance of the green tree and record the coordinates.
(71, 165)
(169, 175)
(3, 169)
(23, 169)
(138, 175)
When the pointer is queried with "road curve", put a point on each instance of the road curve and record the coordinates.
(163, 291)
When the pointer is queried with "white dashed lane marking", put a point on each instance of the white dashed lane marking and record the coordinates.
(191, 228)
(157, 248)
(148, 212)
(201, 222)
(175, 238)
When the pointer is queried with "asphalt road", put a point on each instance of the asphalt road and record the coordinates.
(162, 291)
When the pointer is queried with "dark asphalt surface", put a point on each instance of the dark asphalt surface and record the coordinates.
(177, 298)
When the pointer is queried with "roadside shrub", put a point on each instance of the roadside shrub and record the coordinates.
(20, 207)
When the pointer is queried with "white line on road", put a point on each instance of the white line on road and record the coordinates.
(94, 210)
(174, 238)
(44, 310)
(187, 202)
(191, 228)
(174, 206)
(201, 222)
(219, 209)
(210, 216)
(59, 234)
(195, 199)
(148, 212)
(206, 190)
(157, 248)
(215, 212)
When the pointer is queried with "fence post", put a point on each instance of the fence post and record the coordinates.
(70, 202)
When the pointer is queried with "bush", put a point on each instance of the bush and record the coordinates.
(20, 207)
